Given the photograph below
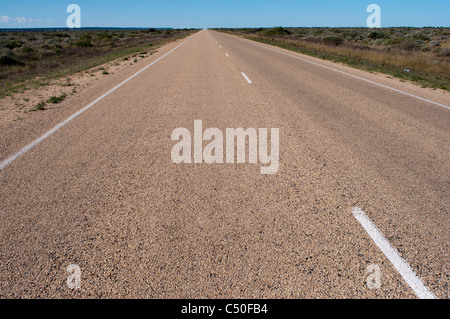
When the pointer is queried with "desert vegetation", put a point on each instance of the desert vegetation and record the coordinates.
(421, 55)
(32, 58)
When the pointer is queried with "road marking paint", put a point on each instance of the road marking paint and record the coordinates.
(46, 135)
(246, 77)
(227, 55)
(351, 75)
(392, 254)
(220, 47)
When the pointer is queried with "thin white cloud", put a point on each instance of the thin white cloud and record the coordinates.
(34, 20)
(20, 20)
(5, 19)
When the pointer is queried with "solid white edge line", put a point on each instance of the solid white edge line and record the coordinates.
(50, 132)
(392, 254)
(349, 74)
(246, 77)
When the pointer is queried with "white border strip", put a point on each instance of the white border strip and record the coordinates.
(246, 77)
(349, 74)
(392, 254)
(37, 141)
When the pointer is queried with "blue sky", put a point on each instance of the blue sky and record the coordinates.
(225, 13)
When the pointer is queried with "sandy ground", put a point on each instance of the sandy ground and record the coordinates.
(16, 106)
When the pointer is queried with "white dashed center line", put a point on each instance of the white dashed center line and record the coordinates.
(348, 74)
(246, 77)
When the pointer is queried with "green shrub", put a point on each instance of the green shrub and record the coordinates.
(56, 99)
(40, 106)
(153, 30)
(27, 50)
(421, 37)
(84, 41)
(333, 40)
(410, 45)
(376, 35)
(105, 36)
(6, 60)
(276, 31)
(318, 32)
(393, 41)
(12, 44)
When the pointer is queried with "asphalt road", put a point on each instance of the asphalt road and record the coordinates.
(103, 193)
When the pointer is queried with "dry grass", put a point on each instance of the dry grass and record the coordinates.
(419, 55)
(32, 58)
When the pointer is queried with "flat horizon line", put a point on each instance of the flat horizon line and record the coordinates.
(181, 28)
